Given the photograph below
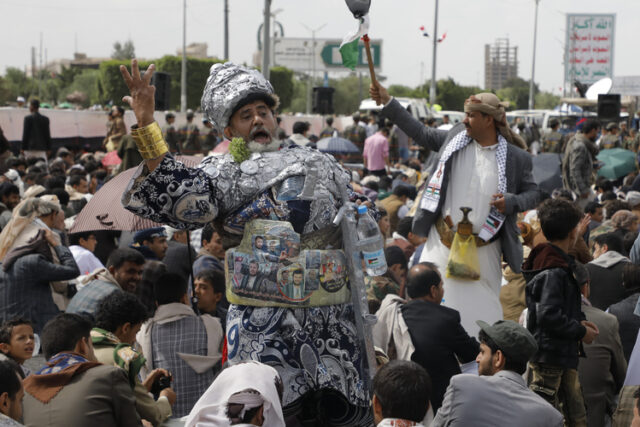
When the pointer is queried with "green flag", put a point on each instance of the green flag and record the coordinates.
(349, 46)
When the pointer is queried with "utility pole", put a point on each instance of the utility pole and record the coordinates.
(312, 78)
(533, 61)
(432, 89)
(226, 29)
(266, 45)
(183, 79)
(40, 71)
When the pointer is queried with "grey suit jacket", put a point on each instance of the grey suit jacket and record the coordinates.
(522, 191)
(603, 371)
(502, 399)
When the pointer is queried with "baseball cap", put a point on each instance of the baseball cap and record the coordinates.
(512, 339)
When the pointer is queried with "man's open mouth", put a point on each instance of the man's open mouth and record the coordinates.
(261, 136)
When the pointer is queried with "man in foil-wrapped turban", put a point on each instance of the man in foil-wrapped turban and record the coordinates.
(290, 195)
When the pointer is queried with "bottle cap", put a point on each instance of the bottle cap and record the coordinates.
(362, 209)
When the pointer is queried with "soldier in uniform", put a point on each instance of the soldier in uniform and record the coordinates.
(553, 141)
(190, 135)
(329, 130)
(169, 132)
(611, 139)
(630, 142)
(356, 133)
(211, 139)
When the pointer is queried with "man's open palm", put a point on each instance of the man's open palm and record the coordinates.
(142, 94)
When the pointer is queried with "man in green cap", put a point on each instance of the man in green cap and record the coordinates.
(499, 395)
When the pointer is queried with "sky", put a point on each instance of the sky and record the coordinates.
(155, 27)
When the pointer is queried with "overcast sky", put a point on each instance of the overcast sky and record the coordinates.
(155, 26)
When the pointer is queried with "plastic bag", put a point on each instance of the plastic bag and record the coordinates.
(463, 259)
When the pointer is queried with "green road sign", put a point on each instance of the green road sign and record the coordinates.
(331, 54)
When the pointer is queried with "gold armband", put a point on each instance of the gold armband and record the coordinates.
(150, 141)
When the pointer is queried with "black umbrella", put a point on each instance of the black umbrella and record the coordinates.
(547, 171)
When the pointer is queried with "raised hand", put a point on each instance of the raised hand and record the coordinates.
(142, 94)
(378, 93)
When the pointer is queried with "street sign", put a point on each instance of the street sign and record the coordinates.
(332, 58)
(300, 54)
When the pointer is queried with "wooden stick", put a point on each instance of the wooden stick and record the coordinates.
(367, 46)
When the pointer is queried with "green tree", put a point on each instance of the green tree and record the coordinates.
(19, 84)
(299, 96)
(85, 83)
(113, 86)
(197, 74)
(123, 51)
(346, 98)
(516, 91)
(401, 91)
(5, 92)
(282, 81)
(451, 96)
(546, 100)
(67, 75)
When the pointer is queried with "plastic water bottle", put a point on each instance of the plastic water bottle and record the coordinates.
(370, 243)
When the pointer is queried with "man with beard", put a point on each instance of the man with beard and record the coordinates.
(297, 186)
(498, 395)
(482, 165)
(577, 165)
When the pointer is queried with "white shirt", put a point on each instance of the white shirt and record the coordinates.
(86, 260)
(475, 186)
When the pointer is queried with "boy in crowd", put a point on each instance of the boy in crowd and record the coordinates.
(119, 317)
(555, 318)
(209, 288)
(17, 342)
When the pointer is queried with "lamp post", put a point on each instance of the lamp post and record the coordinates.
(226, 29)
(432, 89)
(313, 63)
(183, 77)
(533, 61)
(266, 45)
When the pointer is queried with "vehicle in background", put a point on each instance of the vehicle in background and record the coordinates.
(418, 107)
(455, 117)
(568, 121)
(528, 116)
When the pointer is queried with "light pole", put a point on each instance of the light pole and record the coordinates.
(226, 29)
(266, 45)
(432, 89)
(313, 63)
(183, 77)
(533, 61)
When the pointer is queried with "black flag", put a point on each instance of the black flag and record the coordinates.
(359, 8)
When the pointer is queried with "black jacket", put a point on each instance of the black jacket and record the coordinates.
(606, 284)
(554, 303)
(35, 133)
(438, 337)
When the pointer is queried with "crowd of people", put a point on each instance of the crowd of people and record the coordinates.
(501, 305)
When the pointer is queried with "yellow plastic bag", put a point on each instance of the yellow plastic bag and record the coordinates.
(463, 259)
